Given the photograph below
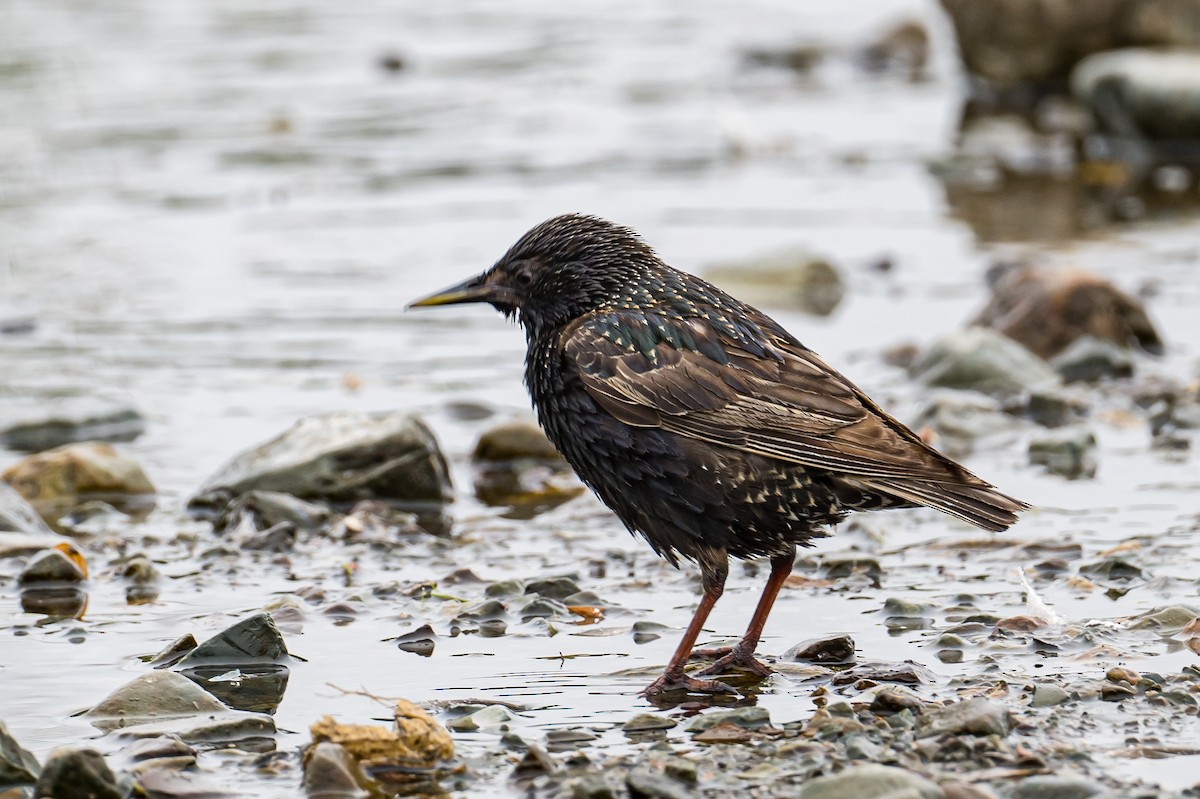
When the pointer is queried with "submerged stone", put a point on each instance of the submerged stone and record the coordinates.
(73, 421)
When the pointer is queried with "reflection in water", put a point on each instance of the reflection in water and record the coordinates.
(62, 601)
(257, 688)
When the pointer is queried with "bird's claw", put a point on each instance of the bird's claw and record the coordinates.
(735, 657)
(685, 682)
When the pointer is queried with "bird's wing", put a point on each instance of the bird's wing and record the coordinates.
(768, 395)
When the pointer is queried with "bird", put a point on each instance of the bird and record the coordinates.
(706, 427)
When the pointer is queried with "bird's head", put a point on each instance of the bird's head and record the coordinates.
(558, 271)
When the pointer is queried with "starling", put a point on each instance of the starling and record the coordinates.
(705, 426)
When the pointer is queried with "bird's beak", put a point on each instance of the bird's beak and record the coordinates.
(476, 289)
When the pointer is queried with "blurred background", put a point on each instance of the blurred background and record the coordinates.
(212, 215)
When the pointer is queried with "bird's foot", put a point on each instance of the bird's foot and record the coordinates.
(735, 657)
(685, 682)
(710, 654)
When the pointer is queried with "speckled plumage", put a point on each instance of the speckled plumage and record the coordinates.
(705, 426)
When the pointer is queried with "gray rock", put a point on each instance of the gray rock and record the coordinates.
(266, 509)
(1055, 786)
(1048, 695)
(505, 588)
(329, 773)
(75, 774)
(17, 766)
(976, 716)
(589, 786)
(252, 640)
(835, 649)
(18, 516)
(748, 718)
(982, 360)
(789, 278)
(1089, 359)
(1055, 407)
(71, 421)
(50, 566)
(1070, 452)
(648, 785)
(340, 457)
(873, 781)
(166, 703)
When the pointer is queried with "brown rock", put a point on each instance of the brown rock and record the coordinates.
(66, 473)
(1047, 310)
(417, 741)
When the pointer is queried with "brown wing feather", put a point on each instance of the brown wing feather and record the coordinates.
(789, 405)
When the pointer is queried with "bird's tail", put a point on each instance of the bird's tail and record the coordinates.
(977, 502)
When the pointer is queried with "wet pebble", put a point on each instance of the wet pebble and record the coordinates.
(1089, 359)
(1048, 695)
(77, 773)
(17, 765)
(514, 440)
(836, 649)
(420, 641)
(67, 474)
(330, 771)
(1056, 407)
(588, 786)
(982, 360)
(50, 566)
(553, 587)
(534, 763)
(748, 718)
(875, 781)
(649, 785)
(975, 716)
(1070, 452)
(647, 722)
(1055, 786)
(505, 588)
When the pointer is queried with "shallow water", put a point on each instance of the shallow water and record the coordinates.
(219, 210)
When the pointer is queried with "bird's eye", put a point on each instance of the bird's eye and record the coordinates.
(524, 279)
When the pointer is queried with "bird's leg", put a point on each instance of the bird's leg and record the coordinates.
(674, 677)
(742, 653)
